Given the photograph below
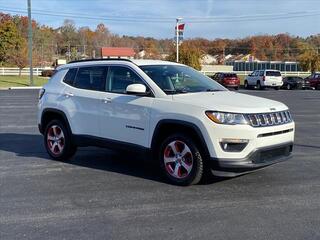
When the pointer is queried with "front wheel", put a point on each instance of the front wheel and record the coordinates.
(180, 160)
(58, 141)
(246, 85)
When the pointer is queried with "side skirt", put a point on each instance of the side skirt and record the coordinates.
(87, 140)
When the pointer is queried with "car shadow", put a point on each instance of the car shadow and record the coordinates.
(31, 145)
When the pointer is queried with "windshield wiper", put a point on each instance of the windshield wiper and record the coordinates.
(176, 91)
(213, 90)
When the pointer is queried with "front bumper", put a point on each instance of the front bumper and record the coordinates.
(257, 159)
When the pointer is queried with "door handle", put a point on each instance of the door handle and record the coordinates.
(106, 100)
(69, 94)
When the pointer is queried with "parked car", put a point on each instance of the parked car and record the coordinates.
(168, 111)
(294, 82)
(314, 80)
(229, 80)
(261, 79)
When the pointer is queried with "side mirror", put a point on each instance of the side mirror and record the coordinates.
(136, 89)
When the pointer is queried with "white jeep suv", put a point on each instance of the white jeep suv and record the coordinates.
(186, 121)
(264, 78)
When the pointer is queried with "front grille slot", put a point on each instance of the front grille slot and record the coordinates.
(269, 119)
(275, 133)
(272, 154)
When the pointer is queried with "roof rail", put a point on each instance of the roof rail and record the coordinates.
(101, 59)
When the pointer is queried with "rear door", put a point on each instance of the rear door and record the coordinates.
(125, 117)
(82, 98)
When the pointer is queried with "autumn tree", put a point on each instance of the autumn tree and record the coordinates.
(9, 39)
(309, 61)
(19, 55)
(188, 55)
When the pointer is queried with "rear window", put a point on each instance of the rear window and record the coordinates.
(69, 77)
(91, 78)
(230, 75)
(273, 73)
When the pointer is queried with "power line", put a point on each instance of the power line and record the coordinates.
(190, 19)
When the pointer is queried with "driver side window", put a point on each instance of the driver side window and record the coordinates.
(119, 78)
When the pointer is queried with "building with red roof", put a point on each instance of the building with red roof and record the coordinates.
(117, 52)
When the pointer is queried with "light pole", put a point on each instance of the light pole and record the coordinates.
(177, 38)
(30, 41)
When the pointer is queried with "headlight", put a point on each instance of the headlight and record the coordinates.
(226, 118)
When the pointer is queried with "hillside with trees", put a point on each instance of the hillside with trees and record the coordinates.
(71, 43)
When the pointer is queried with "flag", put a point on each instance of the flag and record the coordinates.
(180, 27)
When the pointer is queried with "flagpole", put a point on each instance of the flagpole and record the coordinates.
(177, 38)
(30, 42)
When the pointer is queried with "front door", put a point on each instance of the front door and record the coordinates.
(125, 118)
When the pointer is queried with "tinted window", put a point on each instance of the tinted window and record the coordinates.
(91, 78)
(261, 73)
(69, 77)
(273, 73)
(230, 75)
(119, 78)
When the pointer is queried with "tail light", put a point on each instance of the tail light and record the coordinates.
(41, 92)
(263, 78)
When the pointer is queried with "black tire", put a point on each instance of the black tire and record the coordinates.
(62, 148)
(258, 86)
(196, 172)
(246, 85)
(236, 88)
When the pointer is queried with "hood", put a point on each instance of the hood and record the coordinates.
(228, 101)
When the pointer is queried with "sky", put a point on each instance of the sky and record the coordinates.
(203, 18)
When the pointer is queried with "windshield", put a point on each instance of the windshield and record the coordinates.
(174, 79)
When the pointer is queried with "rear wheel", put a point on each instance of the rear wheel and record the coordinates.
(259, 87)
(58, 141)
(180, 160)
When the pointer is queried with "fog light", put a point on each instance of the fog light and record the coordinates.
(233, 145)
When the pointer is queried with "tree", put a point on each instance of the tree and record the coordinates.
(188, 55)
(309, 61)
(19, 55)
(9, 39)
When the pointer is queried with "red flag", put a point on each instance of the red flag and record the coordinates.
(180, 27)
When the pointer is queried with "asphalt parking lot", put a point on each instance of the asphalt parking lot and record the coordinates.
(109, 195)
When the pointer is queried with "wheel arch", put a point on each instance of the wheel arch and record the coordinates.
(168, 126)
(49, 114)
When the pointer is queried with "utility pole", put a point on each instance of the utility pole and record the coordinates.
(177, 38)
(30, 41)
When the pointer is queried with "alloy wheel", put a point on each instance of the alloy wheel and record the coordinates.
(178, 159)
(55, 140)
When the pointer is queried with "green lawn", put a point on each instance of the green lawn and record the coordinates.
(23, 81)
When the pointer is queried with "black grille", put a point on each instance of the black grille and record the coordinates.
(269, 119)
(272, 154)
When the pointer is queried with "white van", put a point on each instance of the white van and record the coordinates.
(264, 78)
